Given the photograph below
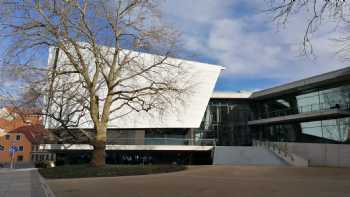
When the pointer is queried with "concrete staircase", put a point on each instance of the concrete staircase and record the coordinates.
(245, 155)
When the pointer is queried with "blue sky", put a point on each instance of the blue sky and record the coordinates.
(257, 52)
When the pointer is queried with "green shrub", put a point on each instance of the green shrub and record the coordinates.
(81, 171)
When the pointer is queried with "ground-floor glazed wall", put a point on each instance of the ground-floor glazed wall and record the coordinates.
(137, 157)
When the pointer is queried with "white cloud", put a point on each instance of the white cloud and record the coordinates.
(249, 43)
(199, 11)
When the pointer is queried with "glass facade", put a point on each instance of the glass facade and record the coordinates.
(334, 129)
(329, 130)
(333, 98)
(166, 136)
(149, 137)
(226, 121)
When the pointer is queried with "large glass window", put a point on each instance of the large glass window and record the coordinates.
(308, 102)
(312, 128)
(311, 101)
(338, 97)
(334, 129)
(316, 100)
(226, 121)
(167, 137)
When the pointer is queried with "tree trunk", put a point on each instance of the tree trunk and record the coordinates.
(99, 153)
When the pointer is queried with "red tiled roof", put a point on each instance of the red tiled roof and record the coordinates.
(34, 133)
(26, 122)
(19, 121)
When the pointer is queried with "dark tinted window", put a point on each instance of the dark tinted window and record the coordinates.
(20, 148)
(20, 158)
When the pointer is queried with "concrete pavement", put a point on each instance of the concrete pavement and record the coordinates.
(209, 181)
(23, 183)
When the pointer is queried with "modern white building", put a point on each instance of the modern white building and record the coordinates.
(306, 117)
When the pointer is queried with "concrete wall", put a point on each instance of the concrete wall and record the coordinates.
(245, 155)
(291, 158)
(337, 155)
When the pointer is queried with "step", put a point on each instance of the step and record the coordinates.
(245, 155)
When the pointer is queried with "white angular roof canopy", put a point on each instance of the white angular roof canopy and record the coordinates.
(186, 112)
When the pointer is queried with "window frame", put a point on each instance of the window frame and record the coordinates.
(19, 149)
(20, 156)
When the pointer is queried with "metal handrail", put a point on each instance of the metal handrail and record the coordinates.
(304, 109)
(280, 147)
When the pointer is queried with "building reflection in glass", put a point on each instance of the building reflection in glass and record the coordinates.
(226, 121)
(334, 130)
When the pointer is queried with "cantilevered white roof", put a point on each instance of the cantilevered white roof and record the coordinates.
(184, 113)
(231, 95)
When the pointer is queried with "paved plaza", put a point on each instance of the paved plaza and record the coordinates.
(209, 181)
(23, 183)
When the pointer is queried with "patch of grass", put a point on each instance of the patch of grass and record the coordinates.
(83, 171)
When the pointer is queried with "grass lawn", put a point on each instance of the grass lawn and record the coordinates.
(81, 171)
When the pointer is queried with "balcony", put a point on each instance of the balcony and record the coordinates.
(303, 114)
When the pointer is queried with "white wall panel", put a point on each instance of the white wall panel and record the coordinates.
(186, 112)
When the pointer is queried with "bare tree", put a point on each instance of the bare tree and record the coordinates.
(317, 12)
(90, 75)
